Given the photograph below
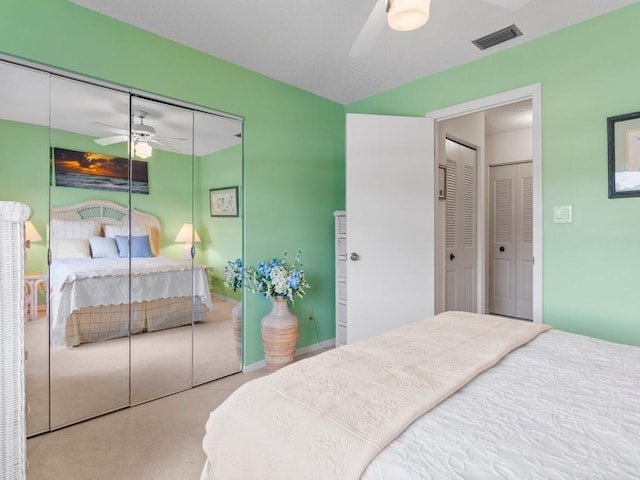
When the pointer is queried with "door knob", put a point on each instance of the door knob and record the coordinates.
(451, 256)
(354, 256)
(502, 249)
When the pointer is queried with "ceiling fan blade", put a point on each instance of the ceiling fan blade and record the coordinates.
(153, 141)
(113, 128)
(170, 138)
(372, 29)
(111, 140)
(509, 4)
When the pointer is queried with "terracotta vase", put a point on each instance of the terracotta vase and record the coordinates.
(236, 322)
(279, 330)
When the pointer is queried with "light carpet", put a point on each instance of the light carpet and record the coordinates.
(161, 439)
(158, 440)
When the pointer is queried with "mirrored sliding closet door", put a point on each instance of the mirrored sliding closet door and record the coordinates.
(90, 319)
(138, 204)
(24, 170)
(163, 303)
(217, 211)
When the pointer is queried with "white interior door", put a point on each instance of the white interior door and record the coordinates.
(502, 244)
(460, 228)
(524, 241)
(390, 222)
(511, 257)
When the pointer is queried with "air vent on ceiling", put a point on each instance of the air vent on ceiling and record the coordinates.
(497, 38)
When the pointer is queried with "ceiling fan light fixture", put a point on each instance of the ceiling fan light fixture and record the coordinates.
(142, 149)
(405, 15)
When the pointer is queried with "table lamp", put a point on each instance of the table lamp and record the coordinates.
(187, 235)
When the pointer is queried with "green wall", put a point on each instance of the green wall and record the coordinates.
(224, 234)
(293, 140)
(294, 148)
(169, 197)
(24, 176)
(587, 74)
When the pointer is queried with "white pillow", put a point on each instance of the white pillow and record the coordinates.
(113, 230)
(70, 248)
(70, 229)
(103, 247)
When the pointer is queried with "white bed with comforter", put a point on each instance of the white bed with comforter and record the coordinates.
(562, 406)
(545, 405)
(81, 285)
(99, 293)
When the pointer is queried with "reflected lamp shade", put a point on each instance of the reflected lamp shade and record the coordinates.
(187, 235)
(31, 234)
(405, 15)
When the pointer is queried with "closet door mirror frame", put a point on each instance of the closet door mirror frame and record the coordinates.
(95, 120)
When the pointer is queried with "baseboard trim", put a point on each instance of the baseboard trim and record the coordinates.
(324, 345)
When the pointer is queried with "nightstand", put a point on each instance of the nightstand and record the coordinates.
(33, 282)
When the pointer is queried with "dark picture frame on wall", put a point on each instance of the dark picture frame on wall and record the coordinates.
(442, 182)
(98, 171)
(223, 202)
(623, 142)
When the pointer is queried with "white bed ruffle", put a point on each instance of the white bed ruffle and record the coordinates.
(81, 283)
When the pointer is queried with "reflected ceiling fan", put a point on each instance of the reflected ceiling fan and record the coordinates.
(404, 15)
(143, 137)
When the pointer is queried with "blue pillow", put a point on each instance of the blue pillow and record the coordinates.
(103, 247)
(140, 246)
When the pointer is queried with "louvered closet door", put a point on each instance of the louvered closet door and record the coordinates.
(511, 264)
(524, 241)
(460, 228)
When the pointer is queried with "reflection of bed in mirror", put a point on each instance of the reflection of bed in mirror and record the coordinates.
(93, 298)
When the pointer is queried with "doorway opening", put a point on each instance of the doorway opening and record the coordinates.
(502, 129)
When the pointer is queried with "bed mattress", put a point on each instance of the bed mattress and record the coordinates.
(563, 406)
(80, 284)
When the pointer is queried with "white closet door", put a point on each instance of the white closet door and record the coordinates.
(390, 222)
(503, 231)
(524, 239)
(511, 289)
(460, 228)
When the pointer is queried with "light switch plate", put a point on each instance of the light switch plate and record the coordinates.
(562, 214)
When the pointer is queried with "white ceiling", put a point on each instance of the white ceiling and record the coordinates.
(305, 43)
(514, 116)
(33, 97)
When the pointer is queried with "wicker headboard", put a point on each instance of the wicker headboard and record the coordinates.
(104, 212)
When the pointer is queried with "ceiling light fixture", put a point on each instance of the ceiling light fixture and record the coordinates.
(142, 149)
(405, 15)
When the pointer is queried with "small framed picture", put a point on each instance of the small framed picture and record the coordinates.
(442, 182)
(623, 138)
(224, 202)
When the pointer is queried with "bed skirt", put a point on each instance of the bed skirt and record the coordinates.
(96, 324)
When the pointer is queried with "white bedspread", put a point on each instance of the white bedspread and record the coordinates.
(328, 416)
(80, 283)
(562, 406)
